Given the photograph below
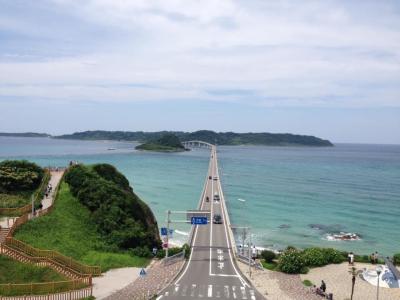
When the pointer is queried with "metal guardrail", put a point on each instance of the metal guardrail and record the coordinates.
(174, 258)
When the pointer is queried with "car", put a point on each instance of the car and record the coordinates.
(217, 219)
(207, 199)
(215, 178)
(216, 197)
(209, 177)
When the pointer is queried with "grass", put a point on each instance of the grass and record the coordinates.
(12, 271)
(272, 266)
(15, 199)
(307, 282)
(70, 230)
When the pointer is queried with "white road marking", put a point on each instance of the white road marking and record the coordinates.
(244, 296)
(225, 275)
(159, 297)
(192, 291)
(234, 292)
(201, 289)
(220, 265)
(226, 291)
(166, 294)
(211, 221)
(220, 257)
(253, 297)
(220, 251)
(209, 293)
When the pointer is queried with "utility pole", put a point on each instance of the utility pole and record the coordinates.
(33, 205)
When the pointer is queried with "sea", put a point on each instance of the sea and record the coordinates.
(297, 196)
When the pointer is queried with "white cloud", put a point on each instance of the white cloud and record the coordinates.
(314, 54)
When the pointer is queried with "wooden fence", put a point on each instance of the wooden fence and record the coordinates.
(53, 255)
(70, 295)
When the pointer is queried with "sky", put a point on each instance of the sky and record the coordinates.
(324, 68)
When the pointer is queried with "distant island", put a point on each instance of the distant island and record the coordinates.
(212, 137)
(24, 134)
(219, 138)
(167, 143)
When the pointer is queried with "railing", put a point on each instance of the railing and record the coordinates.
(174, 258)
(66, 295)
(55, 256)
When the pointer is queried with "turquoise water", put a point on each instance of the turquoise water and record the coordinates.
(350, 188)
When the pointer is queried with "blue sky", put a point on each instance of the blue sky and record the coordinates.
(326, 68)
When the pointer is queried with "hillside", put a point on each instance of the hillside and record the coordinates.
(221, 138)
(167, 143)
(24, 134)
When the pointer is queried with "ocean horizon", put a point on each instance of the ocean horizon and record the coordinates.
(297, 196)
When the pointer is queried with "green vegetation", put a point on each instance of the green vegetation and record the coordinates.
(295, 261)
(273, 266)
(396, 259)
(12, 271)
(24, 134)
(19, 175)
(307, 283)
(121, 218)
(71, 230)
(291, 261)
(167, 143)
(221, 138)
(19, 181)
(268, 255)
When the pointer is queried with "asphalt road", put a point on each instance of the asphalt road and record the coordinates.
(211, 271)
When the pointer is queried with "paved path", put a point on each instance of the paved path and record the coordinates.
(211, 271)
(338, 282)
(54, 181)
(157, 277)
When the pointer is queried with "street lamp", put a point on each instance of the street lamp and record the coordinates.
(378, 271)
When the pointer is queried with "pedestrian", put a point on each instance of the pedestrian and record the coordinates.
(350, 258)
(254, 253)
(323, 286)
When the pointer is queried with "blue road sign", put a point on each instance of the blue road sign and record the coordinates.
(199, 220)
(164, 230)
(142, 272)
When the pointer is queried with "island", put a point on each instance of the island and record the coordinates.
(167, 143)
(24, 134)
(212, 137)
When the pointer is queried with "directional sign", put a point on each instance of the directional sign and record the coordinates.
(164, 230)
(199, 221)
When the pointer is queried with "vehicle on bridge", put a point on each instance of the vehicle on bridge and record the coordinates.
(207, 199)
(216, 197)
(215, 178)
(217, 219)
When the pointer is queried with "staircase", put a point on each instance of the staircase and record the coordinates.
(42, 262)
(3, 234)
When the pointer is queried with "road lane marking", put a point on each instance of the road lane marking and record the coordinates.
(243, 290)
(226, 291)
(201, 289)
(253, 297)
(211, 221)
(209, 293)
(234, 292)
(193, 290)
(159, 297)
(220, 257)
(176, 289)
(220, 265)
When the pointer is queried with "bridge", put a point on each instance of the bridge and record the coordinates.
(211, 271)
(200, 144)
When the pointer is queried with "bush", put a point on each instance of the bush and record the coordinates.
(268, 255)
(19, 175)
(333, 256)
(314, 257)
(187, 249)
(307, 282)
(396, 259)
(141, 252)
(291, 261)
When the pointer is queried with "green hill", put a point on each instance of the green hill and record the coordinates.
(221, 138)
(167, 143)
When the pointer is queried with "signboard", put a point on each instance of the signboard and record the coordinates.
(199, 221)
(164, 230)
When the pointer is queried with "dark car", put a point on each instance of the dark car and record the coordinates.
(215, 178)
(216, 197)
(209, 177)
(217, 219)
(207, 199)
